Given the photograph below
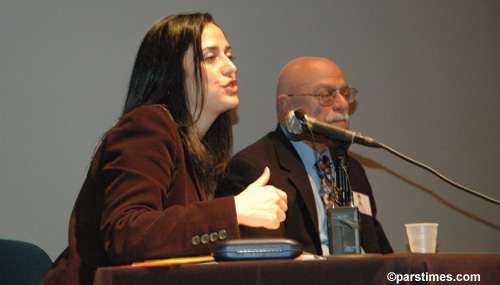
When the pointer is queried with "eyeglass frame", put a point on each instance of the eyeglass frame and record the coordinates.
(352, 94)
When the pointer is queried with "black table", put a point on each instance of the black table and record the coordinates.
(371, 269)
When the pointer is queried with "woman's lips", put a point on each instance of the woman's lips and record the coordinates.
(232, 86)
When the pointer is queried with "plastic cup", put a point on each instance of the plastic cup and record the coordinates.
(422, 237)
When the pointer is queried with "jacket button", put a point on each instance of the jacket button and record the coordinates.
(205, 239)
(214, 237)
(195, 240)
(222, 234)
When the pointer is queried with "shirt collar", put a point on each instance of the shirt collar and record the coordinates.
(306, 153)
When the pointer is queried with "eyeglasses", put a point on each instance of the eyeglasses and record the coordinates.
(327, 97)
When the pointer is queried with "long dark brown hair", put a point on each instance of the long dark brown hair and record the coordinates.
(158, 77)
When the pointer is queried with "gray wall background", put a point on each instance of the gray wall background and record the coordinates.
(427, 71)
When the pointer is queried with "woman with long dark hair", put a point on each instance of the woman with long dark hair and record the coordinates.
(146, 193)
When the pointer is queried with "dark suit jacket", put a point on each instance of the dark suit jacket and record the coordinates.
(141, 200)
(288, 173)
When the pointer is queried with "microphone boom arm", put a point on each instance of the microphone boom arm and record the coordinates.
(439, 175)
(299, 122)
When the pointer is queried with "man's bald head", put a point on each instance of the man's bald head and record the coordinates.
(311, 75)
(301, 73)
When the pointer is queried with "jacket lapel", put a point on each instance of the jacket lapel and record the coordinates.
(298, 179)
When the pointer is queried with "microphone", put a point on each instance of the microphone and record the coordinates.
(298, 121)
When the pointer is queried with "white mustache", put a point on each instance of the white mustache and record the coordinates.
(337, 117)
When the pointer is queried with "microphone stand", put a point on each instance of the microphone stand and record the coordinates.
(343, 218)
(342, 185)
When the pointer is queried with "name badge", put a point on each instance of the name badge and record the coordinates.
(362, 201)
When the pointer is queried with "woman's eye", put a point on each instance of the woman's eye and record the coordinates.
(209, 58)
(231, 57)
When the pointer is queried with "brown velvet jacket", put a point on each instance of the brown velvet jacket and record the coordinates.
(141, 200)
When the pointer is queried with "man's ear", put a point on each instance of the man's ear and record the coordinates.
(284, 104)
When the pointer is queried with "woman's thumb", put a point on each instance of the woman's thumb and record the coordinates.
(263, 179)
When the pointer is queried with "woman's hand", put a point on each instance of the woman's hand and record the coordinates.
(261, 205)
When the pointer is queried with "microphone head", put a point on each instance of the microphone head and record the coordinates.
(293, 124)
(300, 113)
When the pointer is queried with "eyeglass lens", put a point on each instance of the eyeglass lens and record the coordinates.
(327, 98)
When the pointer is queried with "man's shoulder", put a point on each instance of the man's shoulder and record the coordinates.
(263, 145)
